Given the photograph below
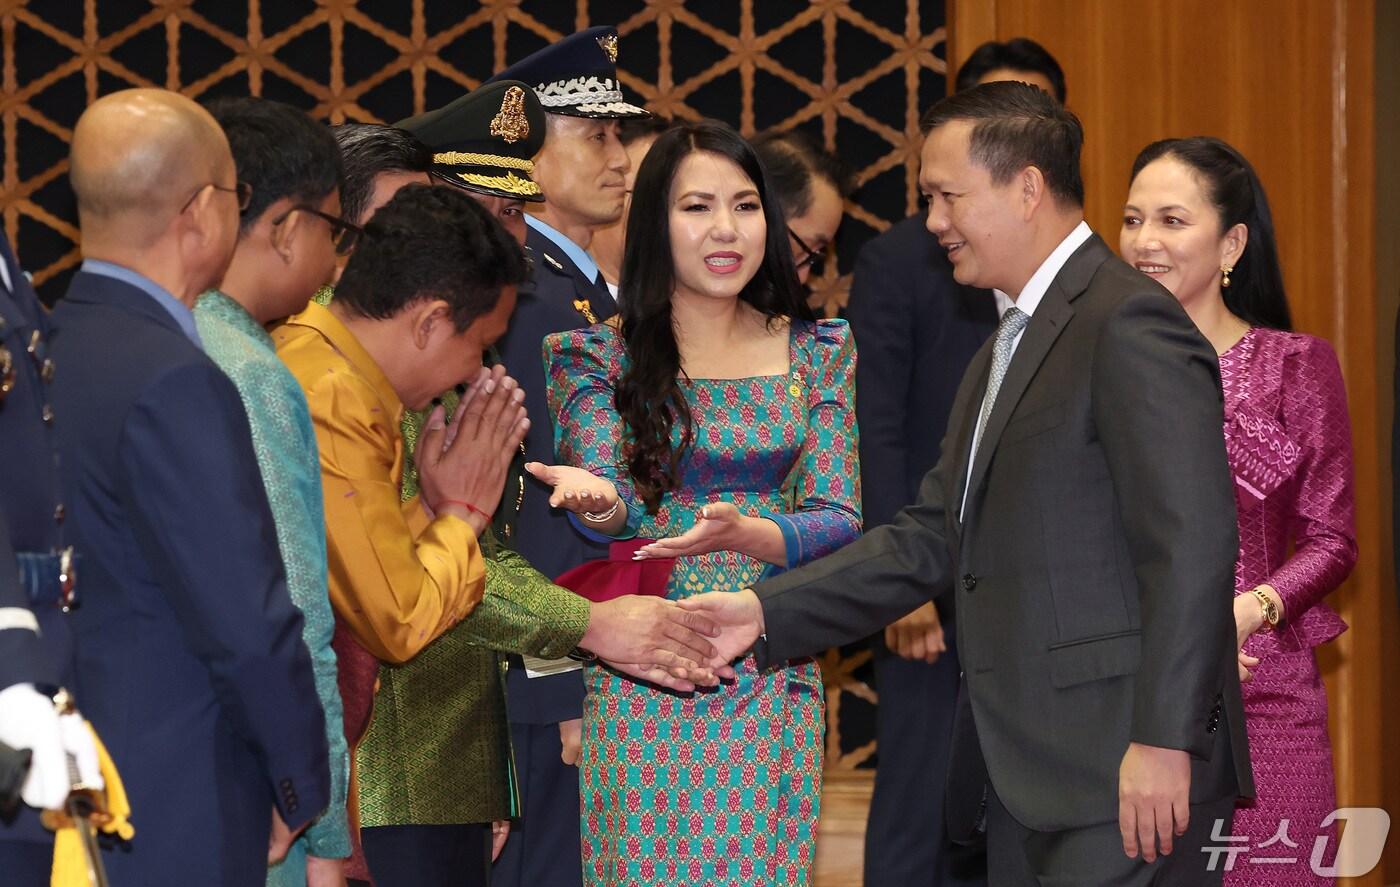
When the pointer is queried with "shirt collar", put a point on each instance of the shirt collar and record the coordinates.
(178, 311)
(228, 309)
(1040, 281)
(321, 319)
(577, 254)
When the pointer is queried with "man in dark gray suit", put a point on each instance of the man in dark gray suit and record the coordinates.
(917, 330)
(1082, 512)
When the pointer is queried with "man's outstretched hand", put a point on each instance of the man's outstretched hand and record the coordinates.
(738, 618)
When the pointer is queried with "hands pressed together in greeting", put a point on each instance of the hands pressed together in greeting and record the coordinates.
(462, 464)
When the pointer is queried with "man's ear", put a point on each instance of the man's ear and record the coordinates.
(282, 227)
(201, 217)
(1033, 189)
(432, 319)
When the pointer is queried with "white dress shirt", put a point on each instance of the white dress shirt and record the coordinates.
(1026, 302)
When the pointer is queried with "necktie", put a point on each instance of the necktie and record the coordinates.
(1012, 322)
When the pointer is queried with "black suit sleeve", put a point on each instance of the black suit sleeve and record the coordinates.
(202, 521)
(1157, 410)
(882, 320)
(865, 586)
(22, 658)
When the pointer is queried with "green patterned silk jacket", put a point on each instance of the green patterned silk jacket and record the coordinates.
(438, 747)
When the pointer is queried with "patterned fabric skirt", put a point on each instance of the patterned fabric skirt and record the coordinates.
(1285, 707)
(716, 788)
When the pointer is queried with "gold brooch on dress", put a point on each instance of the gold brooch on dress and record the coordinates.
(510, 123)
(609, 45)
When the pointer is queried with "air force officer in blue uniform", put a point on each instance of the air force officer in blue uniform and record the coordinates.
(581, 170)
(36, 580)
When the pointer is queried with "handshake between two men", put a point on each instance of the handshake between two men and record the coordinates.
(680, 645)
(463, 462)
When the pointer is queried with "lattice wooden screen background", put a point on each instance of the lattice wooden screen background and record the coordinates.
(856, 74)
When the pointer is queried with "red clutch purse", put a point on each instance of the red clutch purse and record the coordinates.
(618, 574)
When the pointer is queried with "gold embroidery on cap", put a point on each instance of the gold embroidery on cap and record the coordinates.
(469, 158)
(510, 183)
(510, 123)
(609, 44)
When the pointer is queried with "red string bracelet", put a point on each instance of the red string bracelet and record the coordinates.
(468, 506)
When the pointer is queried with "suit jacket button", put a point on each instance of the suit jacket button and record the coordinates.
(969, 582)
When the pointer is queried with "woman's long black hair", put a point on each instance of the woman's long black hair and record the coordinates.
(650, 397)
(1255, 293)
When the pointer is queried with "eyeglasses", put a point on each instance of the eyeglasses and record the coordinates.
(814, 257)
(242, 190)
(343, 234)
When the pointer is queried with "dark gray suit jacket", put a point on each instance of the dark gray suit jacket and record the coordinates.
(1094, 569)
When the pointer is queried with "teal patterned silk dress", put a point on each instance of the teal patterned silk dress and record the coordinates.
(285, 445)
(716, 787)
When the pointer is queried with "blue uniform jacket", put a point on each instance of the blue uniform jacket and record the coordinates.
(547, 304)
(190, 661)
(31, 512)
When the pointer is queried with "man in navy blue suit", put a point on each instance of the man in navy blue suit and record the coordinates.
(36, 569)
(190, 662)
(581, 170)
(917, 329)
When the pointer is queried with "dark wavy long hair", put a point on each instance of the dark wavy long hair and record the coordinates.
(1255, 293)
(650, 395)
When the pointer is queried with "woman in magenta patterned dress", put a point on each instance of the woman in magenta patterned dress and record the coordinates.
(1197, 220)
(719, 420)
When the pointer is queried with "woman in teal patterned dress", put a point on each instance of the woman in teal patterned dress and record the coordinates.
(719, 420)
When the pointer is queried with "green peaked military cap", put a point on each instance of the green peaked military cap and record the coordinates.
(485, 140)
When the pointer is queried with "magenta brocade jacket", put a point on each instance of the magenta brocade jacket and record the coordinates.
(1288, 437)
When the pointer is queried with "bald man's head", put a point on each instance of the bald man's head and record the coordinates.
(137, 156)
(157, 189)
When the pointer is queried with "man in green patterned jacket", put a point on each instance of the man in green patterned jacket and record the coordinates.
(436, 777)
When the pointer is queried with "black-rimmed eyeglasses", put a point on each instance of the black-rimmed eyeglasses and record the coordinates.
(813, 257)
(242, 190)
(343, 234)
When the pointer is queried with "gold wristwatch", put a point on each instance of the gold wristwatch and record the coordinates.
(1268, 608)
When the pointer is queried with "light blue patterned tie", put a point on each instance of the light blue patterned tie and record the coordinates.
(1012, 322)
